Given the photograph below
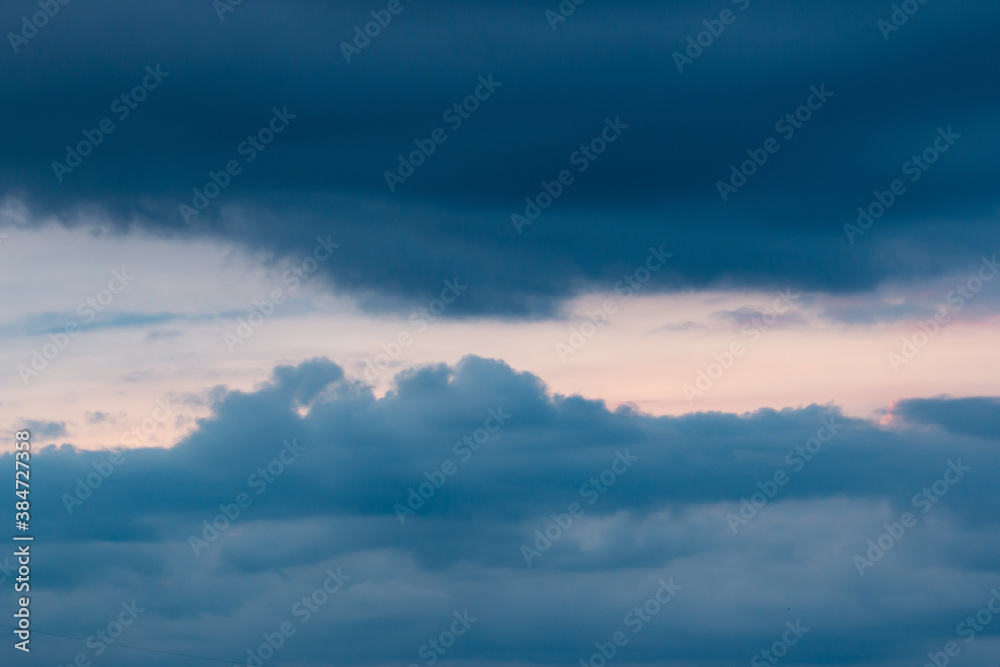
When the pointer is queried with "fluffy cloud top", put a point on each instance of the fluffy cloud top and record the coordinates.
(326, 468)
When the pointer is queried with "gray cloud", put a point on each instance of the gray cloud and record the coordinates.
(324, 174)
(664, 516)
(978, 417)
(46, 429)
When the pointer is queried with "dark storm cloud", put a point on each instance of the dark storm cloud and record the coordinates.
(334, 503)
(323, 174)
(968, 416)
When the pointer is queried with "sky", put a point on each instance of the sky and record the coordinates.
(509, 334)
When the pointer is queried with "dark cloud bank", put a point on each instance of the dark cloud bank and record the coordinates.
(662, 513)
(656, 184)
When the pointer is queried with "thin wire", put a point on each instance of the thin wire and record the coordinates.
(134, 648)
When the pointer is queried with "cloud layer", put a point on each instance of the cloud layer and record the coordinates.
(657, 183)
(498, 457)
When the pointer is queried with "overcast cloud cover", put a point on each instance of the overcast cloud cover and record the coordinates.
(667, 514)
(451, 506)
(655, 185)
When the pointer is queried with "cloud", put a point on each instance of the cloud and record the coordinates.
(163, 334)
(324, 174)
(358, 457)
(98, 417)
(681, 326)
(746, 315)
(46, 429)
(978, 416)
